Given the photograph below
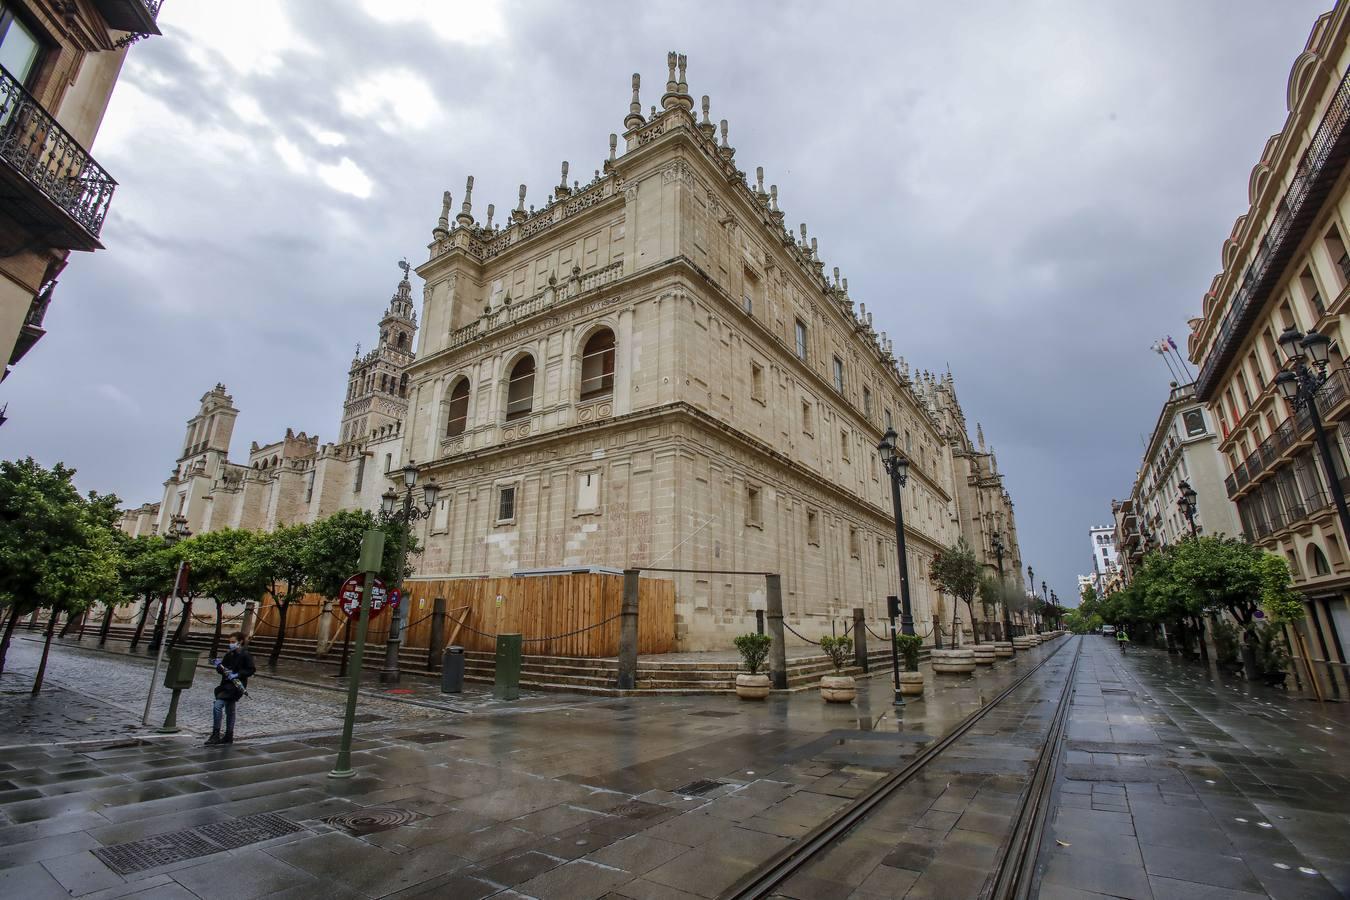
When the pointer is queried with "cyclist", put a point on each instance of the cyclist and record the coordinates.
(1122, 639)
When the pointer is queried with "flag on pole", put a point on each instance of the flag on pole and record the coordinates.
(1171, 343)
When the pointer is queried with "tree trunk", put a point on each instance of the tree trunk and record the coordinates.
(215, 638)
(9, 630)
(46, 648)
(140, 625)
(1200, 636)
(161, 622)
(107, 624)
(182, 630)
(71, 622)
(974, 630)
(282, 610)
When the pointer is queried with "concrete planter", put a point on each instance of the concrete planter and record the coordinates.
(838, 688)
(752, 687)
(954, 662)
(911, 684)
(1003, 649)
(984, 654)
(1022, 642)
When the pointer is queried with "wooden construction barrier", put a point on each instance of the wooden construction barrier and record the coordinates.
(561, 608)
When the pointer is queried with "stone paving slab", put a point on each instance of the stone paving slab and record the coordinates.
(1174, 782)
(549, 804)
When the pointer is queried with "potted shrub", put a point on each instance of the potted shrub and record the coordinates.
(1271, 656)
(911, 679)
(838, 688)
(754, 649)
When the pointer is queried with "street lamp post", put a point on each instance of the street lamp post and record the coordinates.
(1045, 596)
(1187, 504)
(897, 467)
(404, 517)
(996, 542)
(1299, 386)
(1031, 577)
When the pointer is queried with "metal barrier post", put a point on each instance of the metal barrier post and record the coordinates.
(860, 640)
(437, 639)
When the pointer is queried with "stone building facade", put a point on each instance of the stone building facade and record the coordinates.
(652, 371)
(61, 62)
(294, 479)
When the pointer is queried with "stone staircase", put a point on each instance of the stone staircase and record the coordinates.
(656, 676)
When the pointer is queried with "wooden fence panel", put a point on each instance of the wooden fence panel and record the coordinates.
(555, 614)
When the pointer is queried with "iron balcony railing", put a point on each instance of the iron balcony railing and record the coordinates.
(1320, 165)
(47, 157)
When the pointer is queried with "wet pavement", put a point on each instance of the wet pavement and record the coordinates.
(1174, 783)
(680, 797)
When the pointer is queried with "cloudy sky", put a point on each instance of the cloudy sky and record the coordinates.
(1029, 192)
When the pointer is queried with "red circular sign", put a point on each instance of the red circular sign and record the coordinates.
(350, 596)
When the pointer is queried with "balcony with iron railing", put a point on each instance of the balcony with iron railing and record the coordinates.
(50, 186)
(135, 16)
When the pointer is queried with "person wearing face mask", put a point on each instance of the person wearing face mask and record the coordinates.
(235, 669)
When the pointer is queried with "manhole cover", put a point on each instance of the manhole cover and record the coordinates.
(177, 846)
(638, 809)
(248, 830)
(376, 818)
(430, 737)
(713, 713)
(697, 788)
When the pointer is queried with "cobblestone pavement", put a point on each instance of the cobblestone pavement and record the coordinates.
(1176, 784)
(634, 797)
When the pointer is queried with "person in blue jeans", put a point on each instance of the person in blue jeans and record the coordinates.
(235, 669)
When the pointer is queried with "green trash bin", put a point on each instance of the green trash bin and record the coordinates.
(507, 686)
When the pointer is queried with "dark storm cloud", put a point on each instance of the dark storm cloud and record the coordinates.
(1031, 193)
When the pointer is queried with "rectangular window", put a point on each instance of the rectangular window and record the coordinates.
(838, 374)
(881, 553)
(506, 504)
(812, 527)
(1309, 285)
(843, 445)
(19, 51)
(309, 487)
(854, 544)
(757, 382)
(360, 473)
(748, 304)
(801, 340)
(889, 423)
(754, 507)
(807, 425)
(867, 401)
(440, 518)
(909, 447)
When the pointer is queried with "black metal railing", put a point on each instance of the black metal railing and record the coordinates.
(1286, 228)
(35, 145)
(1230, 484)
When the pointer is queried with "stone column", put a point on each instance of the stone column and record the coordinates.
(860, 640)
(325, 629)
(250, 610)
(777, 650)
(628, 632)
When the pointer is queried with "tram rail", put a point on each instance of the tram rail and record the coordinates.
(1014, 876)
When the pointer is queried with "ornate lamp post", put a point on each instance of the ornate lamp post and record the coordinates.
(1031, 577)
(1045, 596)
(1299, 386)
(897, 467)
(1186, 503)
(996, 543)
(404, 517)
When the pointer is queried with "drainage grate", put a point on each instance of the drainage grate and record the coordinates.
(248, 830)
(177, 846)
(430, 737)
(697, 788)
(372, 819)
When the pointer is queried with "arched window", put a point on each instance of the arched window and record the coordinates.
(520, 389)
(402, 340)
(403, 385)
(1318, 560)
(457, 410)
(597, 365)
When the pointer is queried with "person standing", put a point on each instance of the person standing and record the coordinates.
(235, 669)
